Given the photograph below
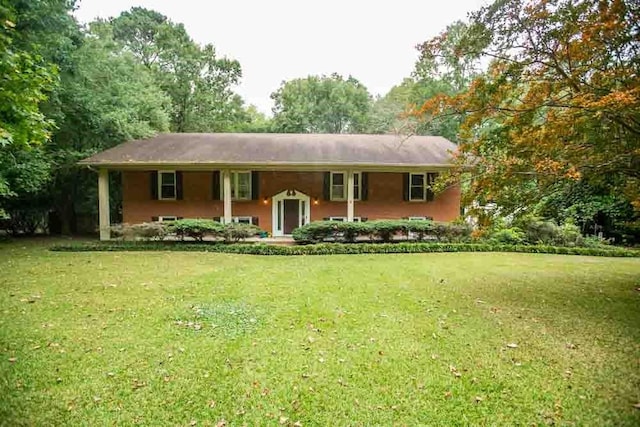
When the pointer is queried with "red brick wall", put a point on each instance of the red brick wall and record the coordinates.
(385, 198)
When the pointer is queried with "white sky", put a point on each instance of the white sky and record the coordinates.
(277, 40)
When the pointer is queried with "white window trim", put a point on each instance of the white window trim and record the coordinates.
(175, 185)
(424, 187)
(426, 184)
(344, 218)
(237, 219)
(234, 185)
(167, 218)
(346, 183)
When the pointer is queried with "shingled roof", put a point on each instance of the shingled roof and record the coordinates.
(194, 149)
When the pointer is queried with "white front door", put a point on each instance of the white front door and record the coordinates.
(291, 209)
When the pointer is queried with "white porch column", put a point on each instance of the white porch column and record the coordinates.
(226, 190)
(350, 203)
(103, 204)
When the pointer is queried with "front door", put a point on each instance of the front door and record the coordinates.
(291, 215)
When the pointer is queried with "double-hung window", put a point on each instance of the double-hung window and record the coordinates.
(167, 185)
(420, 186)
(338, 185)
(241, 185)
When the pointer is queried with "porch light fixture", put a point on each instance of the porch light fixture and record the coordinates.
(315, 201)
(265, 201)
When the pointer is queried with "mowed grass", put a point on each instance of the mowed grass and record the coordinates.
(427, 339)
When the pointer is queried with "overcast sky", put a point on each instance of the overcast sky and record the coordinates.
(277, 40)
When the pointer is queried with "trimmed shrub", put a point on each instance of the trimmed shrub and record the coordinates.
(451, 232)
(385, 230)
(144, 231)
(197, 229)
(350, 231)
(339, 248)
(236, 232)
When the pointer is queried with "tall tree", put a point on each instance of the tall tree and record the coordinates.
(321, 104)
(28, 45)
(198, 82)
(560, 101)
(106, 98)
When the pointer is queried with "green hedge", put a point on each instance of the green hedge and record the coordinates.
(339, 248)
(382, 230)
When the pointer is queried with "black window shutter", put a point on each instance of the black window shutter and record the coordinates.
(364, 186)
(405, 186)
(154, 218)
(215, 185)
(326, 188)
(255, 185)
(154, 185)
(255, 220)
(179, 193)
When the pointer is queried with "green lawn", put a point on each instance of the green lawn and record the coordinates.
(428, 339)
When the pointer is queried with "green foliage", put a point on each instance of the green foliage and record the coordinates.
(197, 81)
(538, 231)
(342, 249)
(507, 236)
(145, 231)
(384, 230)
(197, 229)
(235, 232)
(321, 104)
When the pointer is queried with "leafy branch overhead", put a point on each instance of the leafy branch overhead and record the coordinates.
(559, 101)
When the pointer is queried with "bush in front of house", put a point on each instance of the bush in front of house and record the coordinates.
(194, 228)
(382, 230)
(197, 229)
(143, 231)
(236, 232)
(341, 248)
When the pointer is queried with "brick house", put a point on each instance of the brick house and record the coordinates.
(277, 181)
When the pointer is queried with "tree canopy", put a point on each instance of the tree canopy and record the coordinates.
(321, 104)
(558, 103)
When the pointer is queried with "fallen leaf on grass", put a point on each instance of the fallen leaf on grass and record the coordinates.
(221, 423)
(637, 405)
(448, 395)
(512, 345)
(12, 359)
(283, 420)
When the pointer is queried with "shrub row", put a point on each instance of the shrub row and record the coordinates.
(382, 230)
(196, 229)
(340, 248)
